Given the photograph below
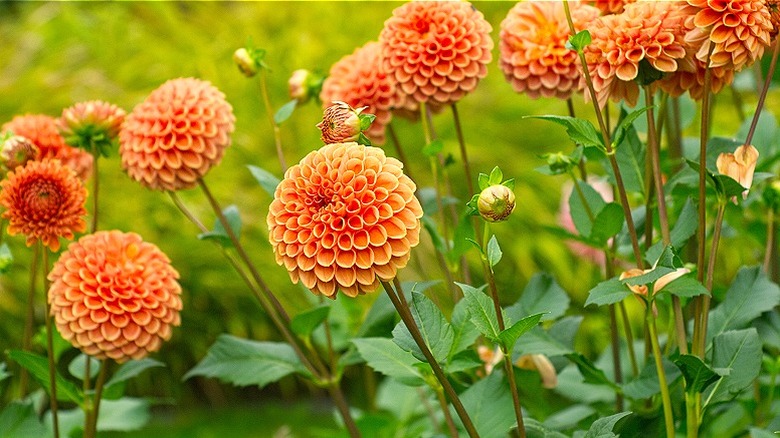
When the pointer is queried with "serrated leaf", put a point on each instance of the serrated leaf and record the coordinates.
(602, 428)
(460, 243)
(386, 357)
(625, 124)
(684, 228)
(463, 330)
(482, 312)
(436, 332)
(509, 336)
(698, 375)
(646, 385)
(266, 179)
(433, 148)
(630, 156)
(489, 405)
(464, 361)
(19, 420)
(542, 294)
(740, 352)
(686, 286)
(608, 292)
(580, 131)
(219, 234)
(579, 214)
(304, 323)
(244, 363)
(539, 341)
(285, 112)
(494, 253)
(78, 366)
(38, 366)
(608, 222)
(591, 373)
(750, 295)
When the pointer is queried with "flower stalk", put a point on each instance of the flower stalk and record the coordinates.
(666, 399)
(50, 345)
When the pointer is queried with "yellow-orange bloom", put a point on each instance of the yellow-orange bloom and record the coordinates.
(739, 165)
(114, 296)
(645, 31)
(359, 80)
(44, 200)
(42, 131)
(740, 30)
(176, 135)
(345, 217)
(436, 51)
(534, 56)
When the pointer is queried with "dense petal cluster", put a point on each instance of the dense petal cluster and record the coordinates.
(534, 56)
(92, 122)
(692, 81)
(42, 131)
(44, 200)
(650, 31)
(435, 51)
(359, 80)
(344, 218)
(736, 31)
(610, 6)
(176, 135)
(115, 296)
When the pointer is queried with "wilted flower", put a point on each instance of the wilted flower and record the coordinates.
(91, 124)
(341, 123)
(114, 296)
(42, 131)
(534, 56)
(739, 165)
(344, 218)
(540, 363)
(435, 51)
(44, 200)
(659, 284)
(17, 151)
(496, 203)
(176, 135)
(359, 80)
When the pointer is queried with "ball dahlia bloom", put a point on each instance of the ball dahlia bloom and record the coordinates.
(678, 83)
(435, 51)
(610, 6)
(534, 56)
(645, 31)
(739, 30)
(345, 217)
(43, 132)
(359, 80)
(92, 123)
(114, 296)
(44, 200)
(176, 135)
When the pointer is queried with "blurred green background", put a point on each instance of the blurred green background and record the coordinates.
(55, 54)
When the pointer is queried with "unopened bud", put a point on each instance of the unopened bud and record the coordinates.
(299, 85)
(559, 163)
(17, 151)
(91, 124)
(341, 123)
(496, 203)
(246, 62)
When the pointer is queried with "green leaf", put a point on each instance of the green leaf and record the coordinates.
(568, 418)
(602, 428)
(698, 375)
(580, 131)
(589, 371)
(630, 156)
(123, 415)
(78, 366)
(579, 40)
(765, 134)
(19, 420)
(388, 358)
(436, 238)
(761, 433)
(646, 383)
(433, 148)
(464, 361)
(380, 319)
(625, 124)
(728, 186)
(266, 179)
(483, 181)
(535, 429)
(579, 214)
(285, 112)
(434, 328)
(489, 405)
(38, 366)
(243, 362)
(219, 234)
(750, 295)
(460, 241)
(740, 352)
(131, 369)
(464, 333)
(608, 222)
(493, 251)
(542, 294)
(686, 286)
(482, 311)
(608, 292)
(539, 341)
(304, 323)
(6, 258)
(4, 374)
(684, 228)
(509, 336)
(496, 176)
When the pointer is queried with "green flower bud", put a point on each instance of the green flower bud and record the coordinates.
(246, 62)
(496, 203)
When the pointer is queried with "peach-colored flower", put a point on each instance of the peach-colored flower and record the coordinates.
(176, 135)
(435, 51)
(540, 363)
(681, 81)
(739, 165)
(91, 123)
(42, 131)
(44, 200)
(490, 357)
(610, 6)
(114, 296)
(645, 31)
(344, 218)
(534, 57)
(740, 30)
(658, 285)
(17, 151)
(340, 123)
(359, 80)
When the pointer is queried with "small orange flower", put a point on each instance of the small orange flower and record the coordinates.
(534, 56)
(435, 51)
(176, 135)
(344, 218)
(739, 165)
(44, 200)
(115, 296)
(93, 123)
(42, 131)
(359, 80)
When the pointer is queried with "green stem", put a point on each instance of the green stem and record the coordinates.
(50, 344)
(691, 415)
(463, 154)
(659, 366)
(615, 343)
(629, 339)
(270, 113)
(705, 310)
(95, 189)
(446, 410)
(770, 240)
(762, 96)
(408, 319)
(93, 411)
(399, 148)
(29, 320)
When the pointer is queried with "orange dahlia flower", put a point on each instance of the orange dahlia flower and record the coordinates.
(93, 123)
(610, 6)
(42, 131)
(359, 80)
(740, 30)
(114, 296)
(176, 135)
(344, 218)
(681, 81)
(44, 200)
(435, 51)
(645, 31)
(534, 57)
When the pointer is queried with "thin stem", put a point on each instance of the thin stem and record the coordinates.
(770, 240)
(92, 414)
(581, 163)
(762, 96)
(509, 369)
(24, 375)
(399, 148)
(95, 189)
(447, 415)
(329, 341)
(691, 415)
(463, 154)
(710, 274)
(408, 320)
(615, 342)
(629, 339)
(50, 344)
(659, 366)
(341, 404)
(270, 113)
